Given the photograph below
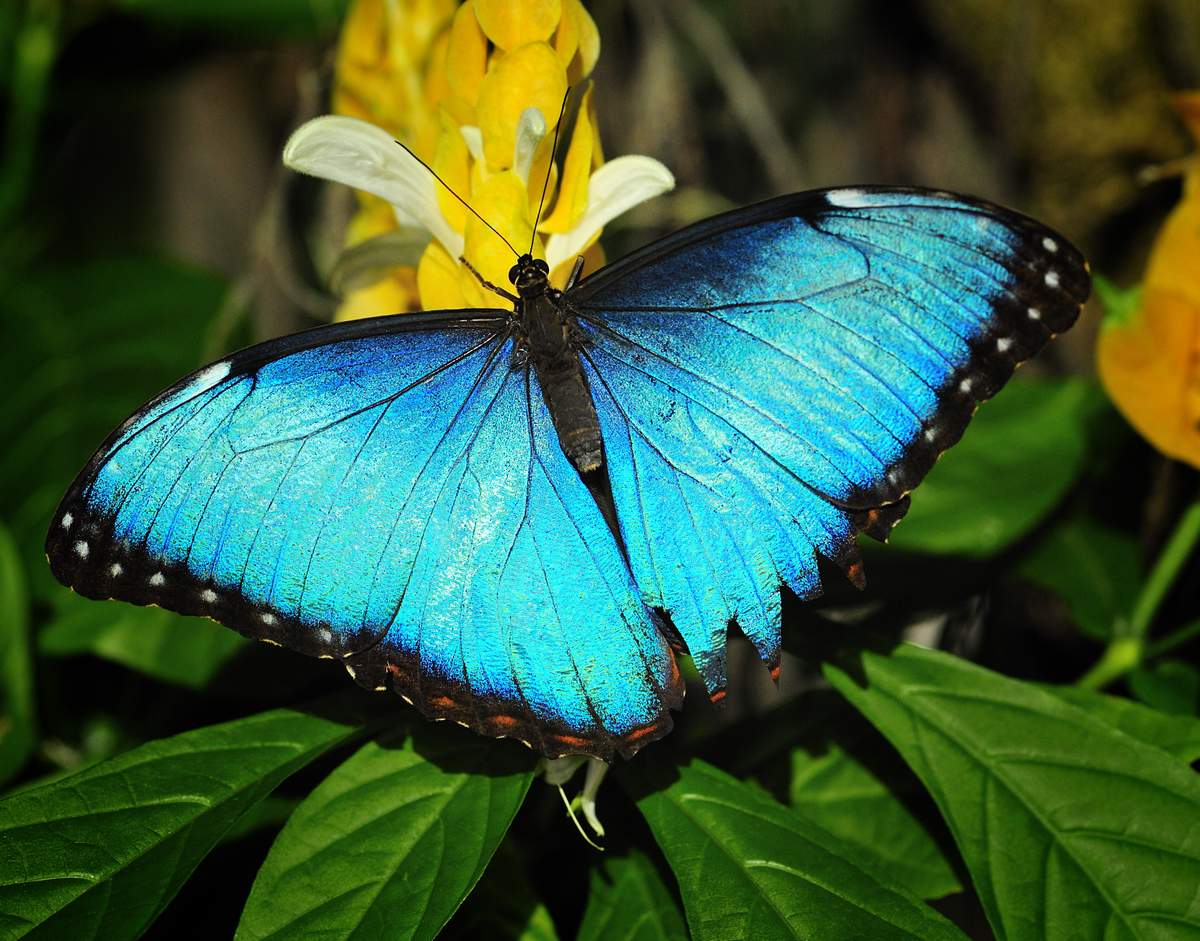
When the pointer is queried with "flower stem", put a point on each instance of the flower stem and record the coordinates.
(1127, 649)
(1165, 570)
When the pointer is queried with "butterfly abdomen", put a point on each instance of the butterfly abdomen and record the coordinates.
(564, 388)
(570, 403)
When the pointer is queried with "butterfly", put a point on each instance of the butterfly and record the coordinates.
(518, 520)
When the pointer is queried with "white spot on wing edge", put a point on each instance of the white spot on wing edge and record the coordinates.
(1051, 279)
(208, 596)
(1003, 344)
(325, 634)
(81, 549)
(267, 618)
(848, 198)
(208, 377)
(1049, 244)
(1034, 314)
(157, 579)
(115, 569)
(965, 385)
(67, 520)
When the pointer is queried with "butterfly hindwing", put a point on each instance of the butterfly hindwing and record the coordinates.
(389, 493)
(775, 379)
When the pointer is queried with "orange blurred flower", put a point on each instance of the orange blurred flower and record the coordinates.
(1149, 356)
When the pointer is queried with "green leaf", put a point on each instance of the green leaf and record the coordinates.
(1178, 735)
(159, 643)
(748, 867)
(16, 667)
(504, 905)
(628, 901)
(1017, 460)
(850, 802)
(1094, 569)
(1171, 686)
(100, 853)
(268, 18)
(1069, 828)
(392, 841)
(1119, 304)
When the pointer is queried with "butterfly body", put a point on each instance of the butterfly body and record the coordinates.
(412, 496)
(548, 338)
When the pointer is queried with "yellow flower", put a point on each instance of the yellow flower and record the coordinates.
(1149, 360)
(479, 101)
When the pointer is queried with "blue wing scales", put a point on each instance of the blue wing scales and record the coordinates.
(774, 380)
(391, 494)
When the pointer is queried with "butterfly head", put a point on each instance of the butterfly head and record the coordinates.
(530, 275)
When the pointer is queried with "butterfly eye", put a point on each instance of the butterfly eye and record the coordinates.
(513, 272)
(541, 266)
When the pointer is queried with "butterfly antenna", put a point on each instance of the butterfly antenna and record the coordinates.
(449, 190)
(550, 166)
(575, 820)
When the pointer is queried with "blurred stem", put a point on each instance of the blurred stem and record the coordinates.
(34, 44)
(1174, 639)
(1128, 648)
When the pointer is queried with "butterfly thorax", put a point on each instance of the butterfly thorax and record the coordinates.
(549, 340)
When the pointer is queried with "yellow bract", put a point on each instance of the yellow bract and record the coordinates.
(510, 24)
(531, 76)
(453, 82)
(1150, 363)
(577, 169)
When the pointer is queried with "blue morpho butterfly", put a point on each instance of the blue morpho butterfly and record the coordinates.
(489, 511)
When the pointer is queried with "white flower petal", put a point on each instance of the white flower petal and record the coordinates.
(530, 131)
(474, 138)
(347, 150)
(614, 188)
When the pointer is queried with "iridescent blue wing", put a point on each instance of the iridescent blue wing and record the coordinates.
(389, 493)
(773, 380)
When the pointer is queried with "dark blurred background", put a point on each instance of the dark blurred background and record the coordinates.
(159, 122)
(147, 225)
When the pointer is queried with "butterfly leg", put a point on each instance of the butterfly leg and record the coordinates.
(488, 284)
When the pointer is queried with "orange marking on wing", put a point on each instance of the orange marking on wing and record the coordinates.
(639, 734)
(572, 741)
(717, 696)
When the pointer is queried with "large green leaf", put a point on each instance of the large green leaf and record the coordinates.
(100, 853)
(748, 867)
(16, 667)
(159, 643)
(628, 901)
(392, 841)
(837, 790)
(1017, 460)
(504, 905)
(1069, 828)
(1179, 735)
(1170, 686)
(1094, 569)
